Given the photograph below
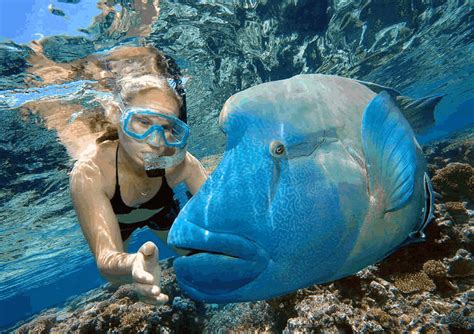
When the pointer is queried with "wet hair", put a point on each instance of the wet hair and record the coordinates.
(176, 76)
(110, 133)
(133, 69)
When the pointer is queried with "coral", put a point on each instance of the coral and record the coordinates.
(435, 269)
(459, 320)
(378, 292)
(183, 304)
(284, 307)
(457, 148)
(462, 264)
(468, 235)
(322, 312)
(136, 320)
(458, 211)
(109, 309)
(381, 318)
(242, 317)
(455, 182)
(125, 291)
(408, 283)
(42, 325)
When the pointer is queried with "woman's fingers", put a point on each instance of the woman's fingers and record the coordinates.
(148, 290)
(162, 298)
(149, 249)
(151, 293)
(146, 274)
(139, 274)
(147, 257)
(143, 277)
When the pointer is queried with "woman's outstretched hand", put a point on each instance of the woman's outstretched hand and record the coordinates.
(146, 274)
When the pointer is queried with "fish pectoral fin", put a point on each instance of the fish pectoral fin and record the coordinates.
(390, 152)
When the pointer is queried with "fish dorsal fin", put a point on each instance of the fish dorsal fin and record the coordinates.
(419, 112)
(376, 88)
(390, 151)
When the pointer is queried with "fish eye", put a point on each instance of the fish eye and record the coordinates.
(277, 149)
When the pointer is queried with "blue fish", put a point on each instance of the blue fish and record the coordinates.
(321, 177)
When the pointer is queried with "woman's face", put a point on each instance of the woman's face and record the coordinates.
(161, 101)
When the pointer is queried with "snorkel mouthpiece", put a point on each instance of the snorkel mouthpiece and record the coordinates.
(152, 165)
(155, 162)
(152, 161)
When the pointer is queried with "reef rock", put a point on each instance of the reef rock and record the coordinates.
(111, 309)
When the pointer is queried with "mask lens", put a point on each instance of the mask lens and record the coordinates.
(156, 128)
(140, 124)
(177, 133)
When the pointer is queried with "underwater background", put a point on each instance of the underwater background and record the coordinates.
(418, 47)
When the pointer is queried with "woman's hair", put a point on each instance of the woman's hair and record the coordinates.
(129, 70)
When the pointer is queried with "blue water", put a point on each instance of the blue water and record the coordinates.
(25, 20)
(224, 47)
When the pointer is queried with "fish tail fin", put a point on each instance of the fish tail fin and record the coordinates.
(419, 112)
(390, 149)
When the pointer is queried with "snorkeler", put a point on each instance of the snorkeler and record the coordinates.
(127, 184)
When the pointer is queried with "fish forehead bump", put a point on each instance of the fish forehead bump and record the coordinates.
(305, 101)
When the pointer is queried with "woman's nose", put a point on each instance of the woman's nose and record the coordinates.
(155, 139)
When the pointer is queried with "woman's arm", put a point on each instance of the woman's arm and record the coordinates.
(98, 221)
(102, 232)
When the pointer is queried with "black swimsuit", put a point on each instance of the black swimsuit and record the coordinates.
(166, 209)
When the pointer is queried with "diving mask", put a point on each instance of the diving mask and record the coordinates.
(157, 129)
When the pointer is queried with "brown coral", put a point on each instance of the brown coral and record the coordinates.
(383, 318)
(461, 265)
(435, 269)
(455, 182)
(458, 211)
(42, 324)
(136, 320)
(408, 283)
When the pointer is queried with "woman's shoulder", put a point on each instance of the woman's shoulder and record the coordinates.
(188, 168)
(96, 171)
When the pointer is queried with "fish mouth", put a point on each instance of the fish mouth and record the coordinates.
(218, 262)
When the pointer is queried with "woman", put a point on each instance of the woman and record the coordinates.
(128, 182)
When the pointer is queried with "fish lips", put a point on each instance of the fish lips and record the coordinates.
(219, 263)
